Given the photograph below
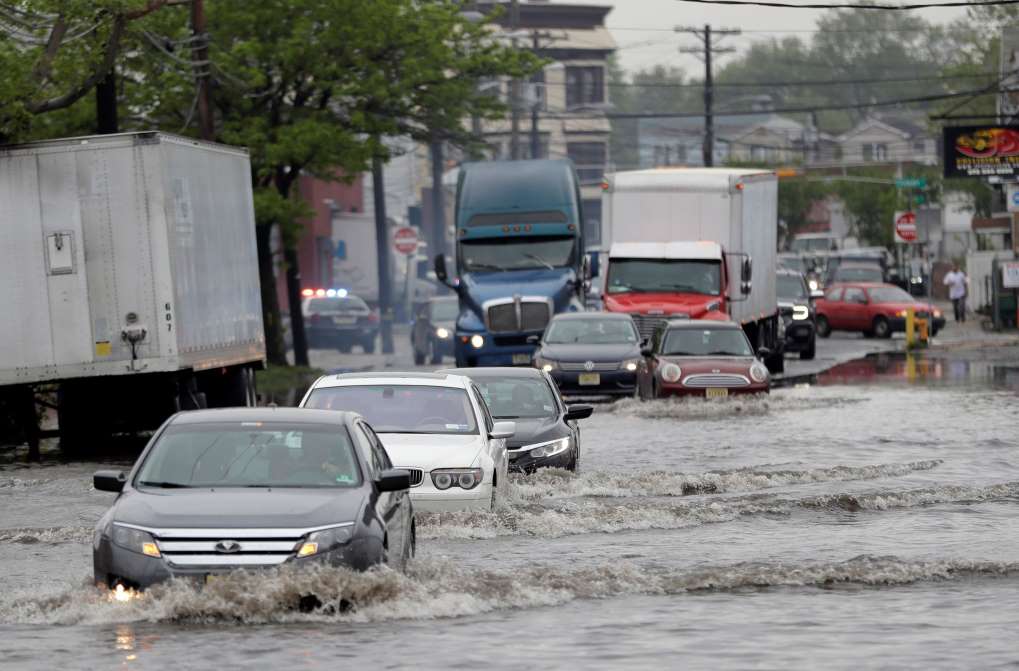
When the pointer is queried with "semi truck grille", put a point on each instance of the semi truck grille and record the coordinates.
(518, 315)
(715, 380)
(647, 324)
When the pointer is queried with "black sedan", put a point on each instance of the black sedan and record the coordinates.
(798, 316)
(334, 318)
(249, 488)
(591, 353)
(547, 435)
(431, 335)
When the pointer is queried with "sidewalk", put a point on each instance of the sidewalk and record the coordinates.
(970, 333)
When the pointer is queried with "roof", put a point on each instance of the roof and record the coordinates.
(700, 324)
(411, 378)
(490, 372)
(666, 250)
(788, 271)
(862, 285)
(573, 316)
(691, 179)
(292, 415)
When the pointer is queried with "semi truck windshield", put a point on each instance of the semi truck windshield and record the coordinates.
(664, 275)
(495, 254)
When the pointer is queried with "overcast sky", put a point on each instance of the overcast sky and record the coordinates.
(643, 28)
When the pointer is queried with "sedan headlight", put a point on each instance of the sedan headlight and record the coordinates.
(813, 285)
(800, 312)
(325, 540)
(548, 449)
(937, 314)
(135, 540)
(544, 364)
(631, 365)
(464, 478)
(442, 333)
(671, 372)
(758, 372)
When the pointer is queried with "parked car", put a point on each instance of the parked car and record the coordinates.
(547, 434)
(876, 310)
(701, 358)
(334, 318)
(436, 426)
(797, 310)
(591, 353)
(431, 334)
(244, 488)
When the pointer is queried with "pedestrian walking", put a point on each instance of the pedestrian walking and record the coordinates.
(957, 283)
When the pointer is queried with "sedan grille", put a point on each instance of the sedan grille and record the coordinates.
(598, 367)
(228, 547)
(715, 380)
(417, 476)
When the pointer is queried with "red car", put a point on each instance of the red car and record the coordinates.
(877, 310)
(700, 358)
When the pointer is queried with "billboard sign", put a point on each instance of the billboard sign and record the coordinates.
(982, 151)
(1008, 99)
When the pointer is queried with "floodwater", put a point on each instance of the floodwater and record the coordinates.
(870, 519)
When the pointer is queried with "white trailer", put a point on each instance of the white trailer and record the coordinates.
(128, 278)
(698, 215)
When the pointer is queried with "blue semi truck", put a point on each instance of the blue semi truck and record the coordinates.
(519, 257)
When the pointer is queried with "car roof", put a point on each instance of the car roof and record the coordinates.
(700, 324)
(861, 285)
(855, 263)
(494, 371)
(289, 415)
(568, 316)
(788, 271)
(410, 378)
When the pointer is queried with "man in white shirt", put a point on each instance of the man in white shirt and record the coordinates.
(956, 282)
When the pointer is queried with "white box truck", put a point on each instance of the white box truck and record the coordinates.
(699, 243)
(128, 279)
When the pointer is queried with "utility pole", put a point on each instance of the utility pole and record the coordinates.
(200, 58)
(382, 241)
(536, 37)
(708, 50)
(515, 87)
(437, 235)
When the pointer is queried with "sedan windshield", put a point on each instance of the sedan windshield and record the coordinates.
(444, 310)
(402, 408)
(860, 274)
(791, 287)
(657, 275)
(591, 332)
(890, 295)
(517, 398)
(496, 254)
(337, 304)
(706, 342)
(251, 454)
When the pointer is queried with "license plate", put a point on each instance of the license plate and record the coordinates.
(521, 359)
(589, 379)
(343, 321)
(717, 393)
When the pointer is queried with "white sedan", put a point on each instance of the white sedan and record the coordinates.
(434, 425)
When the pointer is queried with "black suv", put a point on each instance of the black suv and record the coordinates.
(797, 309)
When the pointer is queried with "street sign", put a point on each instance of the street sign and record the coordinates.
(1012, 197)
(905, 227)
(1010, 274)
(911, 183)
(405, 240)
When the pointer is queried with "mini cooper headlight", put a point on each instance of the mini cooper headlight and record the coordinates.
(671, 372)
(548, 449)
(442, 333)
(464, 478)
(325, 540)
(135, 540)
(758, 372)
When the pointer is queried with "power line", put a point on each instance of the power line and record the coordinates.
(815, 82)
(894, 8)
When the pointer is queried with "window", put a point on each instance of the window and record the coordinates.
(875, 152)
(589, 157)
(706, 342)
(525, 145)
(518, 397)
(592, 223)
(855, 295)
(537, 92)
(681, 153)
(593, 331)
(920, 147)
(833, 295)
(585, 86)
(402, 408)
(485, 412)
(868, 152)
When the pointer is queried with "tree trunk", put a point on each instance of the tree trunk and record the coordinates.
(294, 298)
(274, 349)
(106, 104)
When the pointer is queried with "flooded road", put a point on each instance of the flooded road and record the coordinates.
(868, 519)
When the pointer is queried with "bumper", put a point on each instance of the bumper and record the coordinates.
(898, 324)
(332, 337)
(799, 335)
(112, 563)
(452, 499)
(522, 462)
(513, 350)
(666, 390)
(620, 383)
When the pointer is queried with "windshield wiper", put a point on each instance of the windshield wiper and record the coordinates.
(164, 485)
(725, 353)
(680, 353)
(484, 266)
(535, 257)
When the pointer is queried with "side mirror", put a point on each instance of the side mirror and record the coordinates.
(393, 480)
(585, 269)
(744, 288)
(440, 268)
(578, 411)
(747, 271)
(503, 430)
(533, 339)
(763, 352)
(109, 481)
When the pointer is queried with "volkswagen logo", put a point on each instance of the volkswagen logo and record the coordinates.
(228, 547)
(715, 370)
(589, 366)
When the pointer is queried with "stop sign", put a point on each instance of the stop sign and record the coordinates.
(405, 240)
(905, 227)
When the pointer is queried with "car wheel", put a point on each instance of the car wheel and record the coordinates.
(368, 345)
(419, 358)
(436, 354)
(881, 328)
(808, 354)
(823, 327)
(495, 496)
(410, 547)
